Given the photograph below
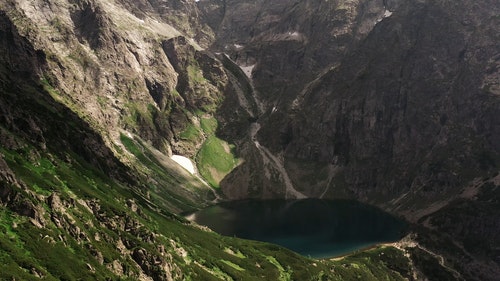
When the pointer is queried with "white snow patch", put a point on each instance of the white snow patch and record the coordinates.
(238, 46)
(291, 35)
(247, 70)
(191, 217)
(386, 14)
(185, 162)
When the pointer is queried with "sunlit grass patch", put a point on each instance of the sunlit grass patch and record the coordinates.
(215, 160)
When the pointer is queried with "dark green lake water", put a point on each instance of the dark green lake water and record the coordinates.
(311, 227)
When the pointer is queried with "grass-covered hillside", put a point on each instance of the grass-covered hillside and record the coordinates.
(216, 158)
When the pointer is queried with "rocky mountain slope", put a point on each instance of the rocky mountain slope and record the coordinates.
(389, 102)
(394, 103)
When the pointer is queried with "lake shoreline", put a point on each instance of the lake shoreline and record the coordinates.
(313, 228)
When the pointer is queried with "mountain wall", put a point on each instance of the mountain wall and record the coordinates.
(394, 103)
(412, 107)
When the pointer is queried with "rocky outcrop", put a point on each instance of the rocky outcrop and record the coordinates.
(8, 180)
(465, 232)
(289, 43)
(201, 87)
(104, 62)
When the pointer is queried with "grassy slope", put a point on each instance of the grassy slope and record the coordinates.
(215, 158)
(168, 189)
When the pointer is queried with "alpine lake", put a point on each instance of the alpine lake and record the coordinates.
(311, 227)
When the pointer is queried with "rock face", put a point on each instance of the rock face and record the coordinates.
(404, 102)
(289, 42)
(283, 46)
(18, 67)
(110, 65)
(408, 109)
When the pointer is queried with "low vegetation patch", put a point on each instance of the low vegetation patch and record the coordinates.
(190, 133)
(208, 125)
(171, 190)
(215, 160)
(216, 157)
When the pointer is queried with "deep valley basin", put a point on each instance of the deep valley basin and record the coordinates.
(311, 227)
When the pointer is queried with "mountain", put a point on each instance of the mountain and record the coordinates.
(392, 103)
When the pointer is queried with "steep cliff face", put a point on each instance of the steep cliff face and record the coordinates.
(282, 46)
(410, 108)
(409, 103)
(285, 44)
(109, 64)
